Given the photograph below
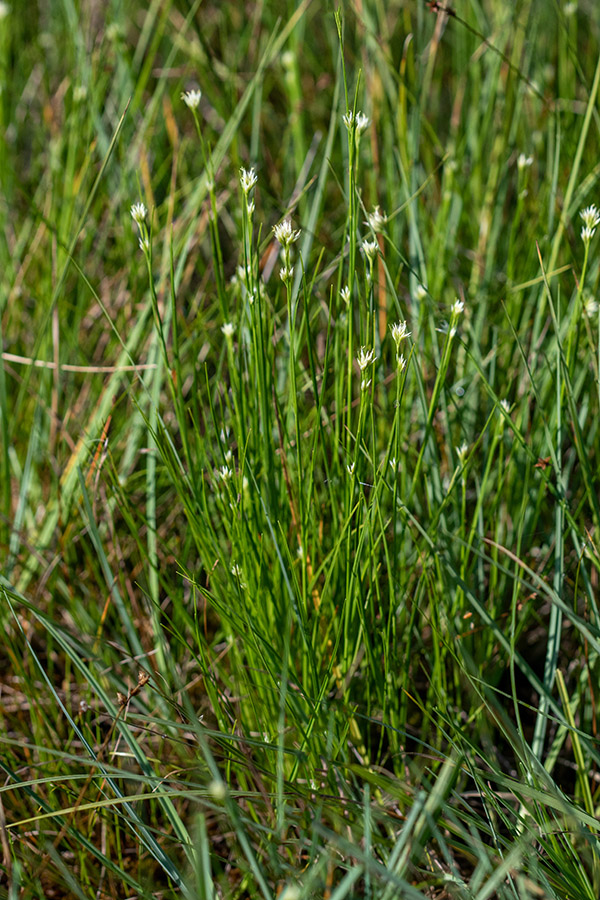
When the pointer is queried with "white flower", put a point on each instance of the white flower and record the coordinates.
(587, 234)
(523, 162)
(286, 274)
(365, 358)
(224, 473)
(345, 294)
(252, 297)
(370, 248)
(144, 245)
(285, 234)
(591, 220)
(400, 361)
(138, 213)
(228, 330)
(590, 305)
(399, 332)
(458, 307)
(505, 405)
(290, 892)
(365, 384)
(376, 220)
(192, 98)
(590, 216)
(462, 451)
(351, 468)
(248, 179)
(420, 292)
(250, 208)
(217, 790)
(358, 121)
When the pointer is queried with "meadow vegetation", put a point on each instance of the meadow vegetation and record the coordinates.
(300, 446)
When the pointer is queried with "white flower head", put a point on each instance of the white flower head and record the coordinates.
(524, 162)
(587, 234)
(590, 305)
(225, 473)
(462, 451)
(399, 332)
(359, 122)
(420, 292)
(286, 273)
(370, 248)
(590, 216)
(228, 330)
(290, 892)
(285, 234)
(144, 245)
(191, 98)
(351, 468)
(591, 220)
(400, 361)
(505, 405)
(345, 294)
(248, 179)
(376, 220)
(365, 358)
(138, 213)
(362, 123)
(250, 207)
(458, 307)
(217, 790)
(365, 384)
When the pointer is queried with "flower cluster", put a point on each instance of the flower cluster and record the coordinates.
(591, 220)
(248, 179)
(192, 98)
(286, 236)
(376, 220)
(358, 122)
(138, 214)
(364, 359)
(399, 333)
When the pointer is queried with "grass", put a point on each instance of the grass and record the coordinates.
(298, 600)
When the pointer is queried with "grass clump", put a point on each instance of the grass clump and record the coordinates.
(299, 410)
